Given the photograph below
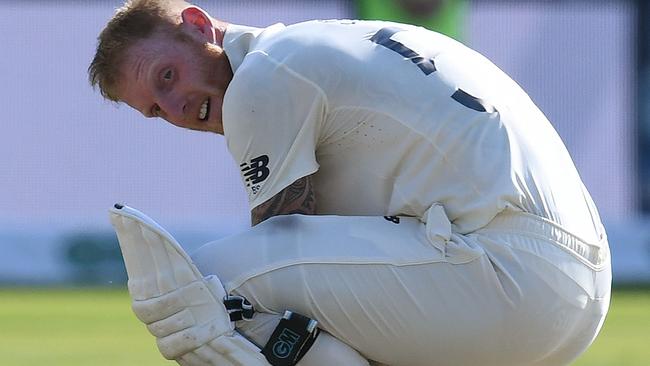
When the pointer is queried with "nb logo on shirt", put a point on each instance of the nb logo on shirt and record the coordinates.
(255, 172)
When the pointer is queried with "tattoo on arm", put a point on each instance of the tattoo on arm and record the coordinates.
(298, 198)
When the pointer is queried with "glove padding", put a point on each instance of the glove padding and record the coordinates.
(186, 318)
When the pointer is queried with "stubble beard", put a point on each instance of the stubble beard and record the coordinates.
(215, 67)
(215, 70)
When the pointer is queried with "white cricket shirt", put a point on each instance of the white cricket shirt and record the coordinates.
(392, 119)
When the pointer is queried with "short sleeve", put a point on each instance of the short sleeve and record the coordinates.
(272, 118)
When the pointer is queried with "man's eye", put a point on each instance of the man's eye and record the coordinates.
(167, 76)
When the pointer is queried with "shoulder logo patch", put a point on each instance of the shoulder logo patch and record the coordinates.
(255, 172)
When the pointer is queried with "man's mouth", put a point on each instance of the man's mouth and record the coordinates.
(205, 110)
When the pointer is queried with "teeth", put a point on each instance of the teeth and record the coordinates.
(203, 113)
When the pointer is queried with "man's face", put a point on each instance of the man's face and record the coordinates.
(180, 80)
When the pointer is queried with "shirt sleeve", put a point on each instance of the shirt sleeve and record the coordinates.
(272, 117)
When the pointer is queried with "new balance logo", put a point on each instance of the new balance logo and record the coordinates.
(255, 172)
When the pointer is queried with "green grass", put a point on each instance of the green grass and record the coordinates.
(96, 327)
(72, 327)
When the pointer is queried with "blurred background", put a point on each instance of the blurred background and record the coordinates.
(67, 155)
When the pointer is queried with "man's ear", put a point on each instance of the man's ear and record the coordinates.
(198, 23)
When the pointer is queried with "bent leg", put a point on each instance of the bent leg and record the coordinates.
(399, 295)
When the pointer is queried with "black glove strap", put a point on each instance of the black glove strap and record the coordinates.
(238, 308)
(291, 340)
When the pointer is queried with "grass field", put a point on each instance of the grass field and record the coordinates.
(96, 327)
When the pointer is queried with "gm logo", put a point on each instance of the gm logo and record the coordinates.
(255, 172)
(286, 341)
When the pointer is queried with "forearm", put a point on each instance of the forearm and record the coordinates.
(298, 198)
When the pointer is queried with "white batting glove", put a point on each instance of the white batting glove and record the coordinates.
(181, 308)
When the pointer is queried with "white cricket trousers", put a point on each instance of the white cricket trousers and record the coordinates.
(520, 291)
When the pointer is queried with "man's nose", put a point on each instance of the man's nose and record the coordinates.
(174, 109)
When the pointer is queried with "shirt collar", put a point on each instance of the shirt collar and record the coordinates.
(239, 40)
